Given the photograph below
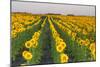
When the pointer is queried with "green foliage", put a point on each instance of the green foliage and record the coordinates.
(36, 52)
(55, 54)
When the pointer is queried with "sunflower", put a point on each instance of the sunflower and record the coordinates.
(58, 39)
(94, 54)
(36, 34)
(13, 33)
(22, 29)
(63, 58)
(92, 46)
(82, 42)
(78, 30)
(28, 44)
(87, 42)
(35, 45)
(60, 47)
(27, 55)
(33, 41)
(93, 49)
(18, 30)
(84, 32)
(24, 52)
(69, 32)
(73, 34)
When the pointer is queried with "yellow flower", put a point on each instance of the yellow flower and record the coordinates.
(85, 32)
(84, 42)
(58, 39)
(24, 52)
(22, 29)
(78, 30)
(78, 40)
(63, 58)
(33, 41)
(28, 44)
(27, 55)
(87, 42)
(64, 29)
(35, 45)
(69, 32)
(13, 27)
(60, 46)
(93, 49)
(36, 34)
(73, 34)
(94, 54)
(73, 38)
(81, 42)
(55, 34)
(18, 30)
(92, 46)
(13, 33)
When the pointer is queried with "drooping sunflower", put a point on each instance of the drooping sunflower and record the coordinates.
(64, 58)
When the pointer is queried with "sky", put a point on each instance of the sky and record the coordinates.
(43, 8)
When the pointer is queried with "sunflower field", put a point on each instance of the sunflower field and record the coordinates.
(52, 39)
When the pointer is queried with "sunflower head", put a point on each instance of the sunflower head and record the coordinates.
(28, 44)
(58, 39)
(84, 32)
(27, 55)
(33, 41)
(93, 50)
(63, 58)
(92, 46)
(60, 47)
(13, 33)
(87, 42)
(35, 45)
